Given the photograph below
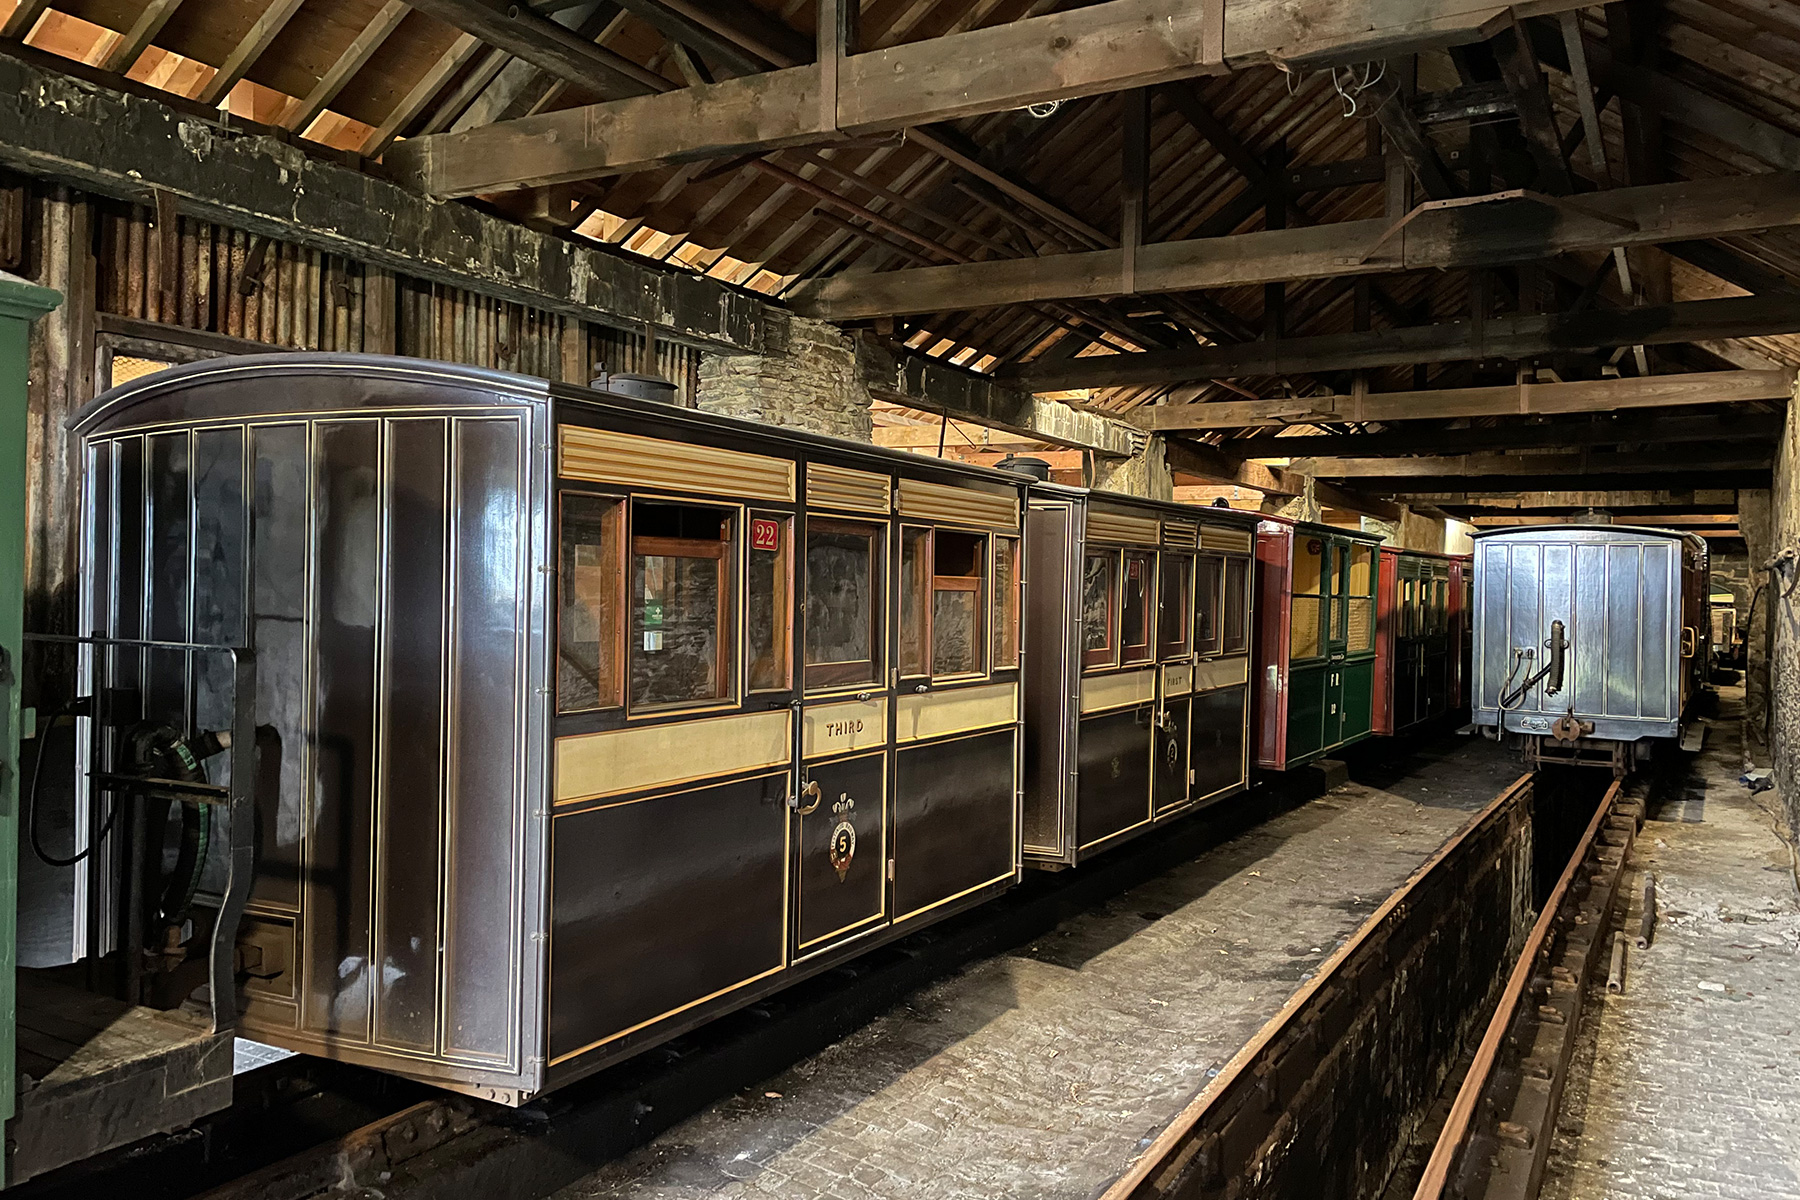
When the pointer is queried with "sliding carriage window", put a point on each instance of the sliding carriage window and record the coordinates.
(1360, 600)
(591, 583)
(1006, 603)
(1174, 620)
(1099, 613)
(1235, 637)
(681, 605)
(1306, 639)
(959, 603)
(1135, 630)
(943, 603)
(1208, 587)
(844, 597)
(768, 603)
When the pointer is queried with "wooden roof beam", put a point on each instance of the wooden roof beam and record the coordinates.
(1636, 462)
(1600, 395)
(1514, 337)
(1104, 47)
(1503, 230)
(1634, 428)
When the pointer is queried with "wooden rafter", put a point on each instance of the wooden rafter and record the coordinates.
(262, 32)
(304, 111)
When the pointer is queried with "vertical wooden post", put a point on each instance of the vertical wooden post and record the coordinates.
(1134, 180)
(1275, 217)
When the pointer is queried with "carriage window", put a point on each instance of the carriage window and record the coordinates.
(681, 570)
(1134, 615)
(768, 600)
(915, 612)
(1236, 632)
(591, 579)
(843, 597)
(1207, 589)
(1006, 603)
(1306, 636)
(1097, 610)
(1360, 618)
(1173, 616)
(958, 607)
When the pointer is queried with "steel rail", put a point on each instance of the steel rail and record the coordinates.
(1159, 1169)
(1440, 1168)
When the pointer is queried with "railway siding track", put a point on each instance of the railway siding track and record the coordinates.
(1324, 1099)
(1498, 1135)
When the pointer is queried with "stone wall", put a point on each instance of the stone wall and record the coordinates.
(1784, 612)
(1144, 474)
(807, 379)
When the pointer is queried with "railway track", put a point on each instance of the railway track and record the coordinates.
(1318, 1104)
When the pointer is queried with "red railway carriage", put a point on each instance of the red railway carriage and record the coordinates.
(1421, 638)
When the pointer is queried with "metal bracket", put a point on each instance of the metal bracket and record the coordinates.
(1562, 203)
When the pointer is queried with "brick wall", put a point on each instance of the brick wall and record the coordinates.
(808, 379)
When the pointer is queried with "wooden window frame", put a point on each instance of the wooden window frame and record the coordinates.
(785, 625)
(1243, 623)
(621, 587)
(1148, 558)
(729, 644)
(1215, 645)
(1006, 605)
(1188, 603)
(846, 673)
(1107, 655)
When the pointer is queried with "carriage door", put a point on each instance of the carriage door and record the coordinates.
(1337, 574)
(841, 810)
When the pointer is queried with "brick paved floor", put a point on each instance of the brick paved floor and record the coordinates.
(1688, 1083)
(1041, 1072)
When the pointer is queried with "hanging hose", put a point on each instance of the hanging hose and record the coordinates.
(73, 708)
(1557, 645)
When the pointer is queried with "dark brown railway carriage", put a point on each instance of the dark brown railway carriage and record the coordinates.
(1137, 662)
(582, 720)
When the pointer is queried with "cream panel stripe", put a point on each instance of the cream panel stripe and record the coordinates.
(849, 725)
(839, 487)
(592, 765)
(962, 711)
(964, 506)
(1178, 679)
(1225, 539)
(1114, 691)
(1221, 673)
(1103, 526)
(603, 456)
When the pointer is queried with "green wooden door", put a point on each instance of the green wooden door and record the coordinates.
(20, 304)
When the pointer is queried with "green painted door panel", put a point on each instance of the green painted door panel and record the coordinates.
(1306, 711)
(1357, 700)
(20, 304)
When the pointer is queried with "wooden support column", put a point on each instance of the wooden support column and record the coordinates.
(1134, 180)
(62, 380)
(1275, 217)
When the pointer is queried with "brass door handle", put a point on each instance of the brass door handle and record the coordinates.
(808, 791)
